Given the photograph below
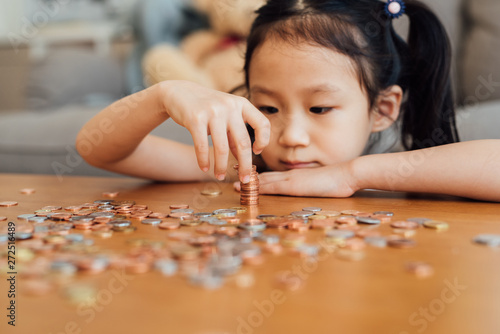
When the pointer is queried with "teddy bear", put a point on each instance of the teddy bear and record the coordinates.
(213, 58)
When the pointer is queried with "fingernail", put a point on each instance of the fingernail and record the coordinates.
(221, 177)
(205, 169)
(246, 179)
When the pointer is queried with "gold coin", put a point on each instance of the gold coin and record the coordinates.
(239, 209)
(437, 225)
(211, 192)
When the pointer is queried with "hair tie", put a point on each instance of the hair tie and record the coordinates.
(395, 8)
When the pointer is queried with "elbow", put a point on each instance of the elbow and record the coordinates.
(86, 150)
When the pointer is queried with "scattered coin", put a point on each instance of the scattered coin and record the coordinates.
(437, 225)
(491, 240)
(419, 269)
(8, 204)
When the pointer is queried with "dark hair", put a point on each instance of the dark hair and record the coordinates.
(362, 30)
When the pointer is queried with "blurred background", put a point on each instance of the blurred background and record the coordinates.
(62, 61)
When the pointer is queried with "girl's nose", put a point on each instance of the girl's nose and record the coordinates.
(293, 132)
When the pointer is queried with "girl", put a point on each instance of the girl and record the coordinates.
(323, 78)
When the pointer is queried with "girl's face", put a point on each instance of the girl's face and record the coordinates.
(318, 111)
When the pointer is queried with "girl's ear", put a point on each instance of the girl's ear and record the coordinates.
(387, 107)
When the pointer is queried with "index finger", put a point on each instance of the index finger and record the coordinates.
(260, 124)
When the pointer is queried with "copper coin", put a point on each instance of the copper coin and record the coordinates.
(287, 281)
(209, 230)
(158, 215)
(72, 208)
(227, 230)
(169, 225)
(60, 216)
(355, 244)
(349, 212)
(3, 219)
(330, 213)
(346, 220)
(8, 204)
(323, 224)
(110, 194)
(401, 243)
(180, 215)
(419, 269)
(27, 191)
(406, 225)
(383, 218)
(179, 206)
(367, 233)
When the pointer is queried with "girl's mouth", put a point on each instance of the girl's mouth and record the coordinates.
(299, 164)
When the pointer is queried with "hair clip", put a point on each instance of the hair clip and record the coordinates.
(395, 8)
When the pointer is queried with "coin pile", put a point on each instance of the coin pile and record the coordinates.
(204, 247)
(249, 194)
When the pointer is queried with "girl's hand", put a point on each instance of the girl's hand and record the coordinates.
(327, 181)
(204, 112)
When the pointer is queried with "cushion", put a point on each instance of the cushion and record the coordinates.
(481, 65)
(74, 76)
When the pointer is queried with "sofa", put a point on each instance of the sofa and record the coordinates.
(71, 85)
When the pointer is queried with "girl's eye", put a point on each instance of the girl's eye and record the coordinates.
(320, 110)
(268, 110)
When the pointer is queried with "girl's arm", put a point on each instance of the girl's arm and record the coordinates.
(117, 138)
(468, 169)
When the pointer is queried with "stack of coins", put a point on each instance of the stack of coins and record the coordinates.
(249, 194)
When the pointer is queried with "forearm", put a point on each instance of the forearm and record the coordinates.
(469, 169)
(115, 133)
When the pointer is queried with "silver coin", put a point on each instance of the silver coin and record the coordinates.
(312, 208)
(302, 214)
(264, 216)
(26, 216)
(226, 212)
(188, 211)
(253, 227)
(106, 207)
(206, 281)
(122, 223)
(37, 219)
(23, 235)
(203, 214)
(166, 266)
(103, 201)
(340, 234)
(104, 214)
(269, 239)
(85, 219)
(216, 222)
(75, 237)
(4, 238)
(491, 240)
(63, 267)
(151, 221)
(368, 220)
(309, 250)
(379, 242)
(385, 213)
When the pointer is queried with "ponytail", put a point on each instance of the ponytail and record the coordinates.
(429, 113)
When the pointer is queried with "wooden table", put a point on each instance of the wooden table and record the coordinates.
(374, 295)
